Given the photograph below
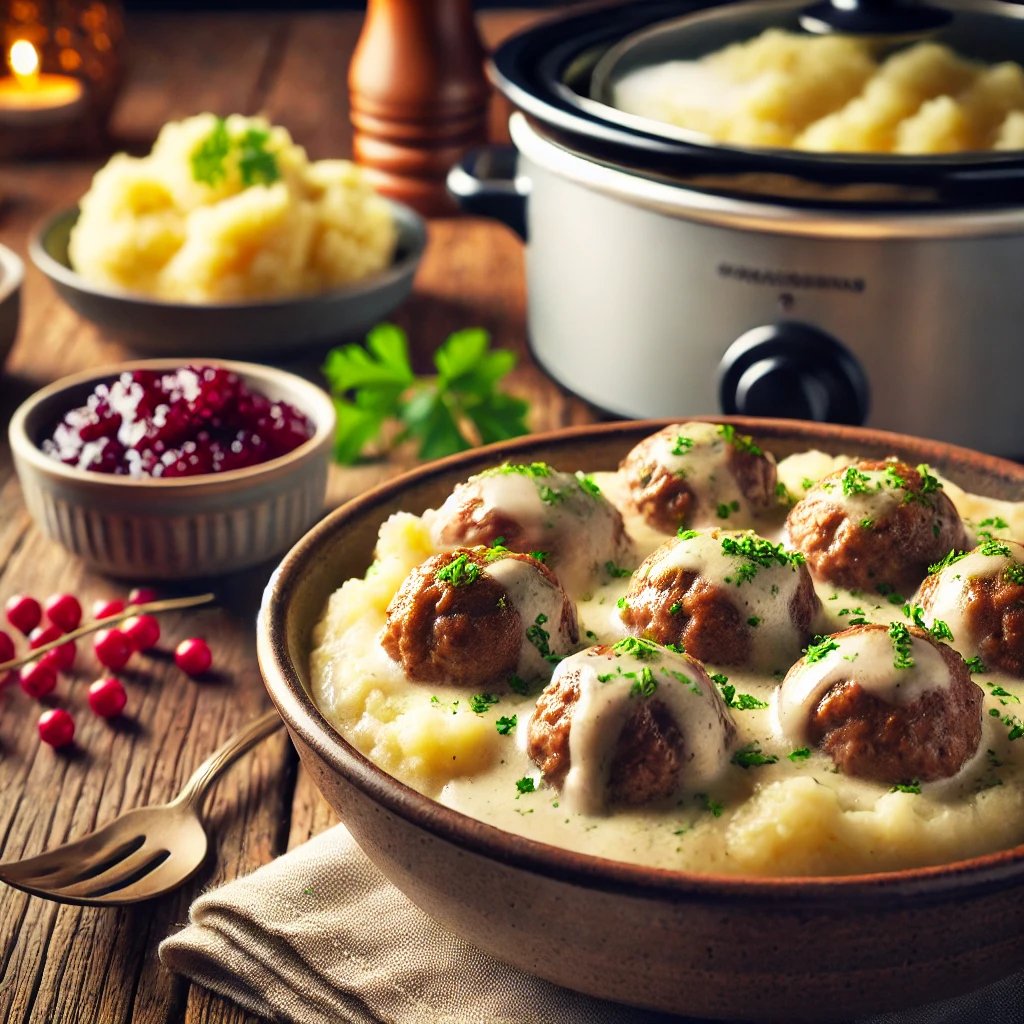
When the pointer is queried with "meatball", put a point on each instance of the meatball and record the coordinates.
(472, 617)
(729, 598)
(875, 524)
(978, 599)
(700, 474)
(627, 725)
(890, 704)
(534, 508)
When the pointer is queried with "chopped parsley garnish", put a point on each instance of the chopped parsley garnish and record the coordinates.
(938, 629)
(255, 164)
(855, 481)
(481, 702)
(505, 725)
(800, 754)
(724, 511)
(992, 548)
(497, 550)
(549, 495)
(208, 158)
(687, 534)
(999, 691)
(525, 785)
(586, 482)
(993, 761)
(754, 621)
(534, 470)
(822, 646)
(867, 524)
(678, 648)
(997, 523)
(751, 756)
(591, 635)
(974, 665)
(900, 637)
(643, 650)
(741, 442)
(1014, 573)
(807, 483)
(645, 685)
(540, 556)
(890, 594)
(912, 787)
(460, 571)
(929, 482)
(757, 553)
(709, 805)
(682, 445)
(738, 701)
(950, 559)
(675, 608)
(621, 603)
(617, 571)
(540, 637)
(517, 685)
(893, 479)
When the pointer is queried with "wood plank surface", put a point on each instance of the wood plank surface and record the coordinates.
(70, 965)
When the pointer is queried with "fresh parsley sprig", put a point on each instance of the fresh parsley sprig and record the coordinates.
(446, 412)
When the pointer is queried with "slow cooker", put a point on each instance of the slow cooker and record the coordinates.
(670, 275)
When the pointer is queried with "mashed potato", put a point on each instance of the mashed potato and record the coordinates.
(829, 94)
(230, 210)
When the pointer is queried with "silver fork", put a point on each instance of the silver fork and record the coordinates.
(143, 853)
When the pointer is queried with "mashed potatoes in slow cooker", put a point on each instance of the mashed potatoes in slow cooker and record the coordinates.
(229, 210)
(830, 94)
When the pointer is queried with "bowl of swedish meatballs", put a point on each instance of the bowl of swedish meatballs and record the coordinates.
(714, 717)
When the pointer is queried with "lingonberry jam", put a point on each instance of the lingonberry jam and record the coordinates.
(191, 421)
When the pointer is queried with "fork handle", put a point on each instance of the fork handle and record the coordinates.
(207, 773)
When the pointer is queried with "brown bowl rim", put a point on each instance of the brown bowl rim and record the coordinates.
(321, 413)
(975, 875)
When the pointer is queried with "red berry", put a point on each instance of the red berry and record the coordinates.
(44, 635)
(107, 697)
(113, 648)
(141, 595)
(56, 727)
(23, 613)
(38, 679)
(142, 630)
(193, 656)
(64, 611)
(103, 609)
(6, 647)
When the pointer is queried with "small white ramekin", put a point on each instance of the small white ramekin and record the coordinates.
(187, 527)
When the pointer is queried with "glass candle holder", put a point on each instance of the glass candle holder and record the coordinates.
(61, 64)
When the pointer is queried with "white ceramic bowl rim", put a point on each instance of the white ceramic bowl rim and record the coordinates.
(316, 405)
(411, 229)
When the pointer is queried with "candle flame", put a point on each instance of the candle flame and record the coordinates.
(24, 61)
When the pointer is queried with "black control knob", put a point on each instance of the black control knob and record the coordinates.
(795, 371)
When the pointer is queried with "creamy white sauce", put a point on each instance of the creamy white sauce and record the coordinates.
(607, 687)
(699, 453)
(948, 602)
(766, 599)
(554, 512)
(867, 659)
(539, 603)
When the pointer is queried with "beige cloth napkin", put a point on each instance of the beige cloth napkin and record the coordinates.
(320, 936)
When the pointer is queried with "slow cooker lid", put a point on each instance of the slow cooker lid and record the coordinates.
(560, 73)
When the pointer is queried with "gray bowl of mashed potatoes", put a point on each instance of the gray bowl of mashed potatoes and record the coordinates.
(227, 241)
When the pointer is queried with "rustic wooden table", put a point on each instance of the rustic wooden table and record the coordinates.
(80, 965)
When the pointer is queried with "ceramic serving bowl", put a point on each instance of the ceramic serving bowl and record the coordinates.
(799, 949)
(180, 528)
(235, 329)
(12, 273)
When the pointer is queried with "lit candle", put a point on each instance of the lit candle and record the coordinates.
(29, 97)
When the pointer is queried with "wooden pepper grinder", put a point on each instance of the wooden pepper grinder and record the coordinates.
(418, 97)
